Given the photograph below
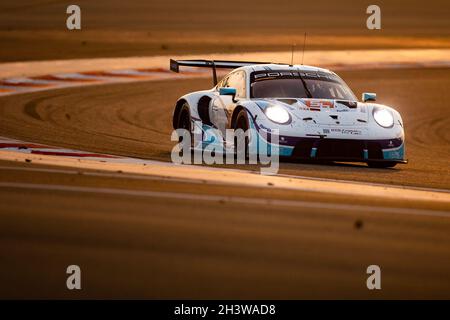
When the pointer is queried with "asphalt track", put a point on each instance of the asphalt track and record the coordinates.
(162, 238)
(135, 120)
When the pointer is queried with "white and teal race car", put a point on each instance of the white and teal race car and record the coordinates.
(316, 115)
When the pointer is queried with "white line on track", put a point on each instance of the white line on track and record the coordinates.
(227, 199)
(187, 180)
(106, 174)
(364, 183)
(200, 174)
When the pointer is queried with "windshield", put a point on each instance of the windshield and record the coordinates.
(291, 84)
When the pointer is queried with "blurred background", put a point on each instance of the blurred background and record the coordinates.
(35, 30)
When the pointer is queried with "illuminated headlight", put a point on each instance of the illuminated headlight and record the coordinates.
(383, 117)
(277, 114)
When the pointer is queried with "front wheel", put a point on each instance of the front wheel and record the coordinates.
(242, 123)
(381, 164)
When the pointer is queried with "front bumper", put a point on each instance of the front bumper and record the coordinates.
(349, 150)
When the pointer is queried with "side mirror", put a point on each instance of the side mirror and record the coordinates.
(223, 91)
(368, 96)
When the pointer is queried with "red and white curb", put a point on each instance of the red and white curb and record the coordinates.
(54, 81)
(8, 144)
(23, 148)
(11, 86)
(340, 61)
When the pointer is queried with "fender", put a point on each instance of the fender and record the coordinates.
(193, 100)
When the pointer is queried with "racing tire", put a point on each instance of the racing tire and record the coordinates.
(184, 118)
(242, 123)
(184, 121)
(380, 164)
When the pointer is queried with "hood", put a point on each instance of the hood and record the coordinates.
(326, 111)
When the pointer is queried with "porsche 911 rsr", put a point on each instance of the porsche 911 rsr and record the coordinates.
(317, 115)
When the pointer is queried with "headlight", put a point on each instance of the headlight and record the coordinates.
(383, 117)
(277, 114)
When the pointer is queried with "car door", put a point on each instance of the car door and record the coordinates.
(223, 105)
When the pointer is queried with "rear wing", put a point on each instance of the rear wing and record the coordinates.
(213, 64)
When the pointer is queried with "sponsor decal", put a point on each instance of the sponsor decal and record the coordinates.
(264, 127)
(317, 105)
(353, 132)
(287, 74)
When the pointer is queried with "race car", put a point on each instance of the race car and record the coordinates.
(314, 112)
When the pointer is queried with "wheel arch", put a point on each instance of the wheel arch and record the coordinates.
(193, 100)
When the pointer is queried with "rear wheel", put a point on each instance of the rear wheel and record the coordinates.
(184, 118)
(381, 164)
(184, 122)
